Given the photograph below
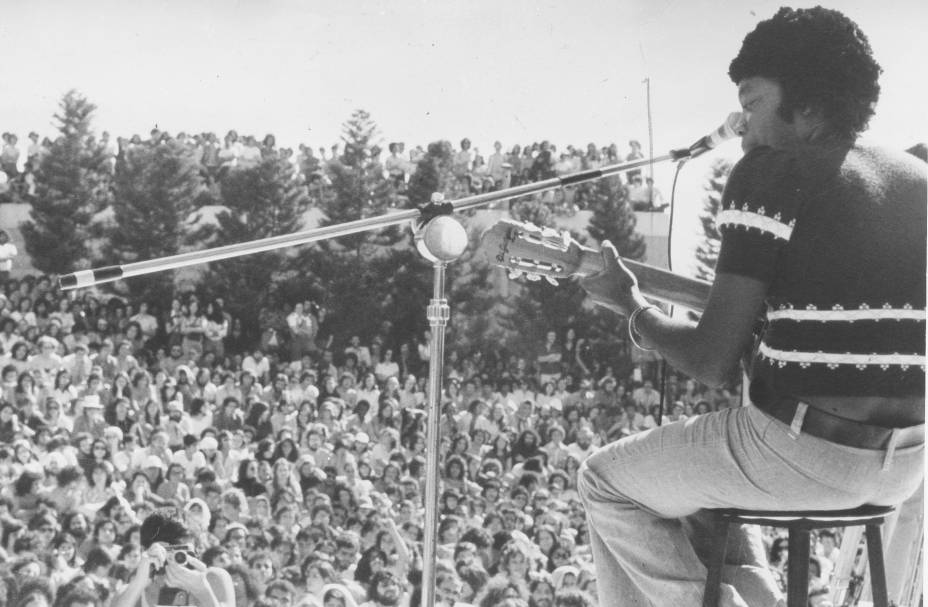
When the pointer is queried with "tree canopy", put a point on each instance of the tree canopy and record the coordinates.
(72, 185)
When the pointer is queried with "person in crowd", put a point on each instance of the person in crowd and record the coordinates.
(8, 253)
(163, 580)
(303, 331)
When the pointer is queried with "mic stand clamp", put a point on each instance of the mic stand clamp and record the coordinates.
(438, 235)
(432, 209)
(681, 154)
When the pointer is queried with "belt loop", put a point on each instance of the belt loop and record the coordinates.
(891, 449)
(800, 415)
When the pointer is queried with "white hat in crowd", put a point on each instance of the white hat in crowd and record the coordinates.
(153, 461)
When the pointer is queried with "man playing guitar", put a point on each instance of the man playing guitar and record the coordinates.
(826, 236)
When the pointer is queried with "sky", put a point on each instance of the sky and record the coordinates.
(516, 71)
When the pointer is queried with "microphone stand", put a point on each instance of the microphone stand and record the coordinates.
(438, 313)
(438, 241)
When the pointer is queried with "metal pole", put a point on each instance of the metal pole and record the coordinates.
(438, 313)
(651, 158)
(647, 82)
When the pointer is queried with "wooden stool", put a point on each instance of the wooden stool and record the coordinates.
(799, 526)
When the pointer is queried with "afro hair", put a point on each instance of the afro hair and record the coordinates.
(821, 59)
(158, 527)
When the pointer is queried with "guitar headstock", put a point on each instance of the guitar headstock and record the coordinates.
(529, 250)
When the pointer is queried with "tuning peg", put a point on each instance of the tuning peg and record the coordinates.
(515, 273)
(532, 276)
(551, 280)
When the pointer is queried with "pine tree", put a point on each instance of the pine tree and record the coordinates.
(359, 188)
(480, 315)
(261, 201)
(71, 186)
(433, 174)
(707, 253)
(370, 275)
(471, 291)
(614, 220)
(157, 189)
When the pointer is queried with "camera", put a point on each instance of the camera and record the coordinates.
(160, 553)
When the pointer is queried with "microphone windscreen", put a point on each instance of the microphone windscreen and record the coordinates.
(732, 127)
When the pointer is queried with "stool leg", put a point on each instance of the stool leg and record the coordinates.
(798, 568)
(877, 568)
(716, 562)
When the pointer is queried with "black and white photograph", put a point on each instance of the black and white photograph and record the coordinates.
(447, 303)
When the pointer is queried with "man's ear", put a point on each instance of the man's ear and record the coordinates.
(812, 119)
(811, 111)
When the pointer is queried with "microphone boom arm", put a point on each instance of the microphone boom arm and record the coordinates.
(88, 278)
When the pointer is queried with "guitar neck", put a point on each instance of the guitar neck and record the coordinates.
(655, 283)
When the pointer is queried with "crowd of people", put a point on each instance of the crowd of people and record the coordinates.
(297, 464)
(473, 172)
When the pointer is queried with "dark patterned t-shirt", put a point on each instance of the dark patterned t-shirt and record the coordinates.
(840, 240)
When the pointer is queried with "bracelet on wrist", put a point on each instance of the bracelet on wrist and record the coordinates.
(633, 334)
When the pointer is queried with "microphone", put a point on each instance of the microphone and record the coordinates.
(732, 127)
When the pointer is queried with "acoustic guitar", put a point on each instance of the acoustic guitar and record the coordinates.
(534, 252)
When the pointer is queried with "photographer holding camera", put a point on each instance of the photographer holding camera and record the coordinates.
(169, 572)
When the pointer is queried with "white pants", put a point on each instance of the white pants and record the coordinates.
(643, 496)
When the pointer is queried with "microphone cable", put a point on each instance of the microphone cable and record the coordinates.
(663, 371)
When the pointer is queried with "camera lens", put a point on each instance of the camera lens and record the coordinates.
(180, 558)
